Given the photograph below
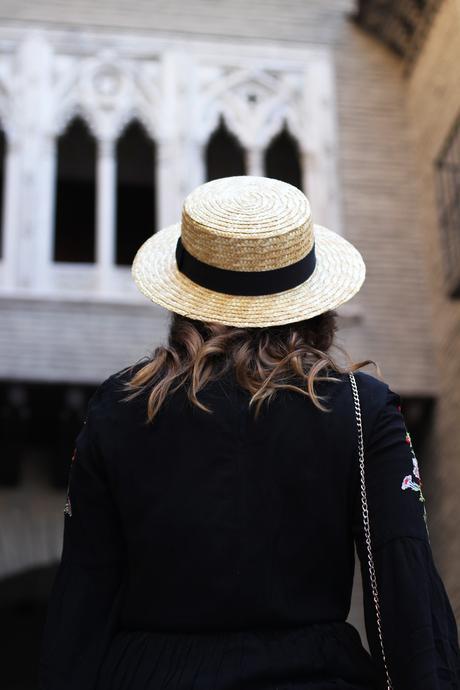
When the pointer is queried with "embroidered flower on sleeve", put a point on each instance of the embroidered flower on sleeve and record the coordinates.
(414, 482)
(407, 483)
(68, 504)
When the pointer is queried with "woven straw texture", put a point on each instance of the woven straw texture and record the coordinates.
(248, 224)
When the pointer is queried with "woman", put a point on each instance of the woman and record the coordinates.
(215, 492)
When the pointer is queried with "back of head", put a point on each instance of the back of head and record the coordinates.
(253, 284)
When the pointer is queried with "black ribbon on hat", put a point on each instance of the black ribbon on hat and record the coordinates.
(249, 283)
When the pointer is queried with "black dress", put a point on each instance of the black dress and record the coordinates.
(216, 551)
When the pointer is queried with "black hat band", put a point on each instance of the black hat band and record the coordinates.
(249, 283)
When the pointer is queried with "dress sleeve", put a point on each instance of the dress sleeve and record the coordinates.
(87, 590)
(419, 629)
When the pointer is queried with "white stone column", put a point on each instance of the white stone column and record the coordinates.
(255, 161)
(169, 139)
(105, 213)
(313, 180)
(32, 109)
(167, 187)
(194, 126)
(46, 187)
(11, 212)
(319, 139)
(196, 166)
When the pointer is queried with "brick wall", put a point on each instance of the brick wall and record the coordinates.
(433, 106)
(381, 211)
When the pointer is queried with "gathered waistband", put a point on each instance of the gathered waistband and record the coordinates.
(307, 657)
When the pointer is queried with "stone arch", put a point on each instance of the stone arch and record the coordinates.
(3, 148)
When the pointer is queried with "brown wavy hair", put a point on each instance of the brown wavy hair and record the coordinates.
(265, 359)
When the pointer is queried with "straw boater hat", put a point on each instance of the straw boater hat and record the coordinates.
(247, 253)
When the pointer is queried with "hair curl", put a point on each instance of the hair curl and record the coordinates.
(265, 359)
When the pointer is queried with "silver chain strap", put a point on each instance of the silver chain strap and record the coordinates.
(367, 532)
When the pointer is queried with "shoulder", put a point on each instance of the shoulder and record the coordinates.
(372, 390)
(377, 399)
(113, 389)
(118, 379)
(377, 392)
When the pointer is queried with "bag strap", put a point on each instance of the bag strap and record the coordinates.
(367, 532)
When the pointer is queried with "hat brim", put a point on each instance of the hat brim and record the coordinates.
(339, 273)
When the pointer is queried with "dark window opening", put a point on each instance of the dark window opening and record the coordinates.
(282, 159)
(136, 203)
(448, 194)
(2, 179)
(225, 157)
(74, 237)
